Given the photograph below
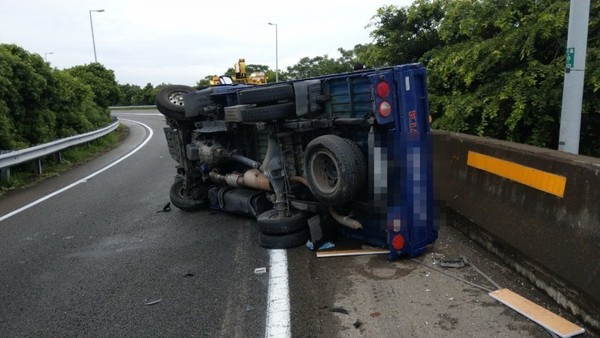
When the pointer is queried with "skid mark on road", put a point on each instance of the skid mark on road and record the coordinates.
(85, 179)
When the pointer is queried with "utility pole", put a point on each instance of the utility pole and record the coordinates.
(276, 53)
(570, 116)
(92, 26)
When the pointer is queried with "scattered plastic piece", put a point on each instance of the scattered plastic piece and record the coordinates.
(166, 208)
(154, 302)
(459, 262)
(260, 271)
(339, 310)
(357, 324)
(324, 246)
(250, 308)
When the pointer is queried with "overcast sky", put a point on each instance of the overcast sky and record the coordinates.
(182, 41)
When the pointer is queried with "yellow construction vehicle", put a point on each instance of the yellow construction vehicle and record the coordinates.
(240, 76)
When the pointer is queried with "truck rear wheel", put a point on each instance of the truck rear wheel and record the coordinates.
(169, 101)
(181, 201)
(270, 223)
(286, 241)
(335, 169)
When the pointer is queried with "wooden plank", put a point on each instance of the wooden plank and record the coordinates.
(538, 314)
(358, 252)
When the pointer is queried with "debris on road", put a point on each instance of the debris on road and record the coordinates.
(154, 302)
(339, 310)
(260, 271)
(459, 262)
(355, 252)
(166, 208)
(349, 247)
(547, 319)
(324, 246)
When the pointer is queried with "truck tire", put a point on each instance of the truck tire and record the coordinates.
(361, 161)
(270, 223)
(269, 113)
(266, 94)
(169, 101)
(185, 203)
(286, 241)
(335, 169)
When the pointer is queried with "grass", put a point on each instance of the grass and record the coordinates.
(23, 176)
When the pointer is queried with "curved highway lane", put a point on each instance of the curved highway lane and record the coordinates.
(98, 259)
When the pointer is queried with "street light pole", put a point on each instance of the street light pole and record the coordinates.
(92, 26)
(46, 55)
(276, 53)
(572, 99)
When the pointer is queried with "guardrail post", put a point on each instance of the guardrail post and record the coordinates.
(5, 174)
(37, 166)
(58, 157)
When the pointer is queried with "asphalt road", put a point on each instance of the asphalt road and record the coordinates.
(99, 260)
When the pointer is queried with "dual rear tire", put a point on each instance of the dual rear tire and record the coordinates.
(277, 232)
(335, 169)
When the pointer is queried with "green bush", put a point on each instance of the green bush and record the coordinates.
(39, 104)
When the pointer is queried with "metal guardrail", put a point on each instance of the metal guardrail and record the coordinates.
(16, 157)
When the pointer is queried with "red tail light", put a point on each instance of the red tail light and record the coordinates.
(398, 242)
(383, 89)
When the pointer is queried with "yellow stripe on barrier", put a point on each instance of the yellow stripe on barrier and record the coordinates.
(538, 179)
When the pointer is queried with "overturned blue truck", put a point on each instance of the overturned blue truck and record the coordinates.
(345, 154)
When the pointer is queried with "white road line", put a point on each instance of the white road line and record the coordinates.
(278, 306)
(85, 179)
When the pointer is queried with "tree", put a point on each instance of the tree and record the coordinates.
(39, 104)
(128, 92)
(403, 35)
(101, 80)
(24, 93)
(73, 103)
(322, 65)
(205, 82)
(144, 96)
(495, 67)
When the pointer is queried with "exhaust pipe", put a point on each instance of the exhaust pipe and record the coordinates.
(252, 178)
(345, 220)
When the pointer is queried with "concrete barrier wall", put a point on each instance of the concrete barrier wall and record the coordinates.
(554, 240)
